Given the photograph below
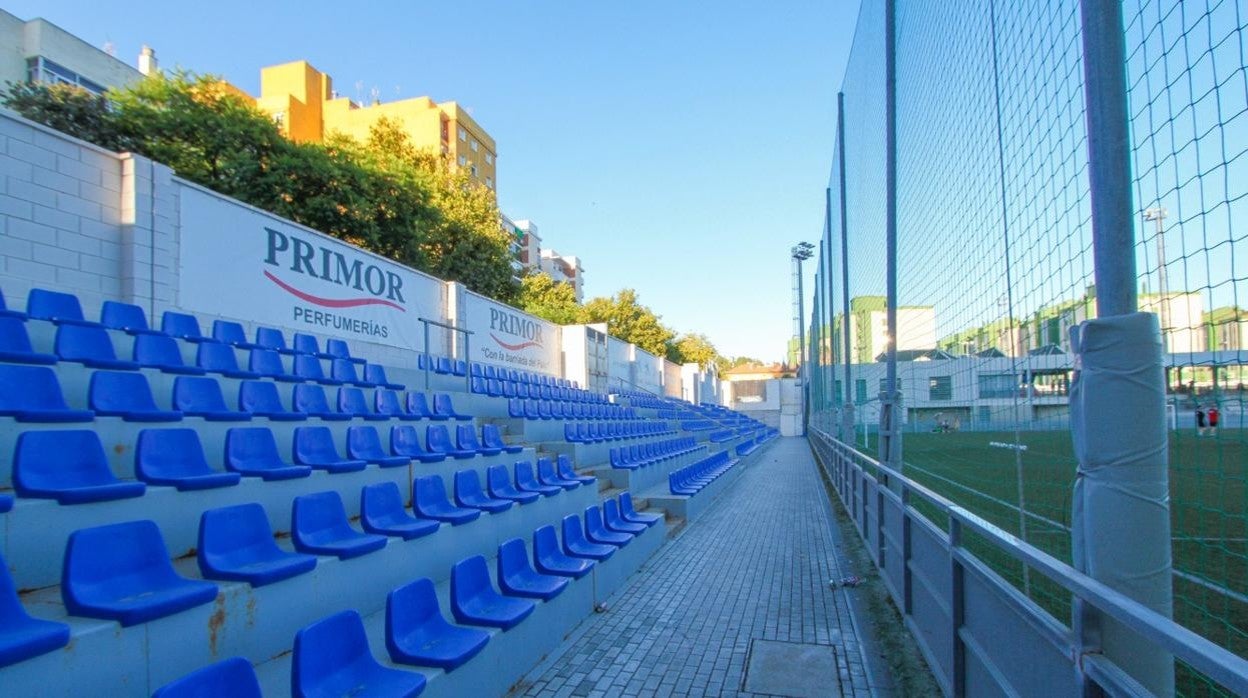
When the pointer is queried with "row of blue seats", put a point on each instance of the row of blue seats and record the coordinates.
(690, 479)
(512, 375)
(92, 347)
(520, 408)
(332, 656)
(697, 425)
(33, 394)
(600, 432)
(645, 455)
(71, 467)
(747, 447)
(494, 387)
(122, 572)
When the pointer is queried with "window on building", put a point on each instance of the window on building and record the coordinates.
(463, 134)
(837, 391)
(473, 169)
(489, 182)
(489, 159)
(860, 390)
(473, 144)
(40, 69)
(463, 160)
(997, 385)
(446, 130)
(940, 388)
(984, 416)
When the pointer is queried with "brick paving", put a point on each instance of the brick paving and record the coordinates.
(755, 566)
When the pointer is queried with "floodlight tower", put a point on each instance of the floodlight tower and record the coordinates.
(1158, 215)
(801, 252)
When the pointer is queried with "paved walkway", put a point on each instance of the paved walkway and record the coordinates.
(756, 566)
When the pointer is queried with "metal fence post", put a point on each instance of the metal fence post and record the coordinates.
(847, 401)
(1120, 516)
(890, 398)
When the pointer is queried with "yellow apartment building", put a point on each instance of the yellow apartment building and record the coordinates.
(301, 99)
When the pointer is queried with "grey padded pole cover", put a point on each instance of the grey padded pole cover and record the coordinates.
(1121, 515)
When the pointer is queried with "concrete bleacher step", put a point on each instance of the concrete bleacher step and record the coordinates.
(689, 508)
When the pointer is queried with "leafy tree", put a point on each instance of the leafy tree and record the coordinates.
(552, 300)
(693, 348)
(69, 109)
(630, 321)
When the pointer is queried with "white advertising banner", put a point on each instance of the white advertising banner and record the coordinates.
(504, 336)
(239, 262)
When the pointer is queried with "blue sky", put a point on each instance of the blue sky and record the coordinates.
(678, 148)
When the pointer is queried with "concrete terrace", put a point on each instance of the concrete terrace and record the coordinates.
(734, 590)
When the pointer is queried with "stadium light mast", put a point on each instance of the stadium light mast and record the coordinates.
(1157, 214)
(801, 252)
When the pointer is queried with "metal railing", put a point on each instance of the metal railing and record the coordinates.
(467, 334)
(980, 634)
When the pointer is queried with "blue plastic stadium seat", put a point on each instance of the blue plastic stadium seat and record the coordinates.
(68, 466)
(307, 344)
(61, 308)
(418, 405)
(231, 677)
(344, 370)
(6, 503)
(201, 397)
(126, 395)
(352, 401)
(416, 632)
(15, 344)
(220, 358)
(252, 451)
(236, 544)
(272, 338)
(516, 576)
(33, 394)
(442, 366)
(515, 408)
(564, 466)
(268, 363)
(459, 367)
(309, 368)
(161, 351)
(261, 399)
(468, 493)
(231, 333)
(466, 440)
(500, 486)
(387, 402)
(332, 658)
(576, 545)
(438, 440)
(364, 444)
(382, 512)
(182, 326)
(310, 400)
(314, 447)
(547, 476)
(6, 311)
(122, 572)
(442, 406)
(89, 346)
(477, 385)
(549, 558)
(404, 441)
(491, 437)
(597, 532)
(430, 501)
(175, 457)
(339, 349)
(126, 317)
(615, 521)
(526, 482)
(23, 637)
(475, 602)
(319, 525)
(376, 374)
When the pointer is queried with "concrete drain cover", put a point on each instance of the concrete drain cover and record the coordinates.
(792, 669)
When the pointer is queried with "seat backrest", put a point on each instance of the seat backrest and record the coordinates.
(498, 479)
(325, 648)
(215, 356)
(319, 511)
(314, 445)
(59, 459)
(157, 350)
(128, 558)
(338, 348)
(546, 470)
(162, 452)
(13, 336)
(120, 391)
(438, 439)
(229, 332)
(524, 473)
(466, 437)
(270, 338)
(306, 344)
(352, 401)
(266, 362)
(429, 490)
(232, 677)
(411, 606)
(545, 542)
(386, 402)
(259, 397)
(235, 529)
(491, 436)
(122, 316)
(381, 500)
(470, 578)
(310, 399)
(343, 370)
(513, 558)
(43, 304)
(573, 532)
(404, 440)
(77, 342)
(198, 394)
(363, 442)
(247, 445)
(375, 373)
(417, 404)
(309, 367)
(468, 484)
(180, 325)
(30, 388)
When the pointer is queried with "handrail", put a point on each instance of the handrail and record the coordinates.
(1203, 655)
(425, 323)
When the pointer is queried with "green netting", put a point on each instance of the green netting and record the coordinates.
(995, 266)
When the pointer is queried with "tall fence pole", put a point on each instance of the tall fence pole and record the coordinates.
(890, 398)
(829, 311)
(802, 369)
(847, 401)
(1120, 516)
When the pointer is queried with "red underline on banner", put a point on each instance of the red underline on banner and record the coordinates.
(513, 347)
(330, 302)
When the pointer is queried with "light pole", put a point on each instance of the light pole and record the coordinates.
(1158, 215)
(801, 252)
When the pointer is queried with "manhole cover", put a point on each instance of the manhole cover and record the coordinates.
(792, 669)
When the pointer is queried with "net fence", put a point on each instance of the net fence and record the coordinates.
(995, 265)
